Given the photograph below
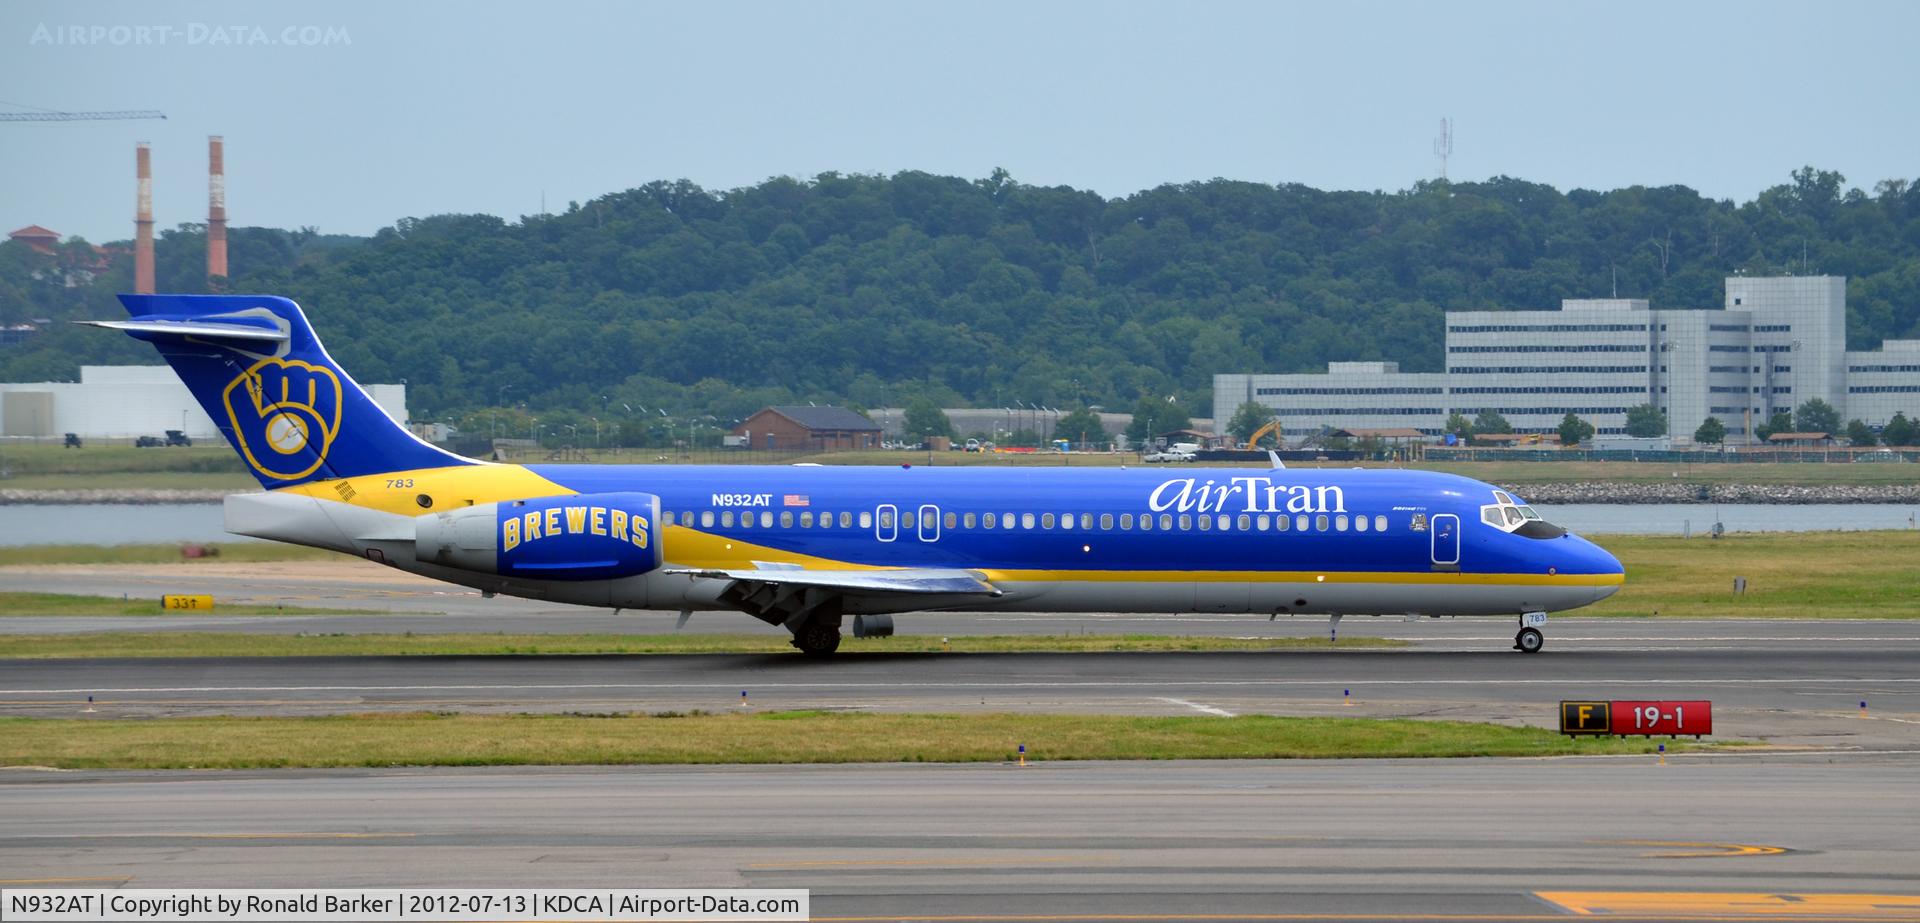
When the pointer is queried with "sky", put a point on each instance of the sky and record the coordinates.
(349, 115)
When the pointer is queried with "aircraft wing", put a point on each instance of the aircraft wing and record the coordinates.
(907, 582)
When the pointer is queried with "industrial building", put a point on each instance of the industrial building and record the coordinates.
(1776, 343)
(123, 402)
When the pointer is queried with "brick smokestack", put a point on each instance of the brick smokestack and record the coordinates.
(216, 210)
(143, 223)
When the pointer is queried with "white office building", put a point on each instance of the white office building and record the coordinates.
(124, 402)
(1774, 344)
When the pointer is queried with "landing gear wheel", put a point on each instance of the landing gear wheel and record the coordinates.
(1529, 641)
(817, 639)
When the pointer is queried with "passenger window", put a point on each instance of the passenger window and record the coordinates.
(746, 520)
(1245, 522)
(1359, 523)
(1106, 522)
(1186, 523)
(866, 519)
(1300, 522)
(987, 521)
(970, 520)
(1126, 522)
(1280, 523)
(1026, 520)
(706, 519)
(886, 519)
(1166, 522)
(1206, 523)
(1226, 522)
(948, 520)
(1066, 520)
(786, 519)
(1086, 520)
(726, 519)
(1046, 521)
(1340, 523)
(766, 520)
(1320, 523)
(1264, 522)
(1380, 523)
(846, 520)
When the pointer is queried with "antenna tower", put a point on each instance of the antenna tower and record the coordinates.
(1443, 145)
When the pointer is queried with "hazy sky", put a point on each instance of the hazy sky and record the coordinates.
(384, 110)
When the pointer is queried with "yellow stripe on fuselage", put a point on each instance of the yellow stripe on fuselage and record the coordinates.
(449, 488)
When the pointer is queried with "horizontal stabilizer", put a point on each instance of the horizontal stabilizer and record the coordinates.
(235, 329)
(917, 581)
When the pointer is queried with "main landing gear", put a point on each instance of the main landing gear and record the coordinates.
(817, 637)
(1530, 640)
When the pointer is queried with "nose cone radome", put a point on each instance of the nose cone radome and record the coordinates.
(1600, 561)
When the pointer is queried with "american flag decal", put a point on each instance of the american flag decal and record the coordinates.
(796, 500)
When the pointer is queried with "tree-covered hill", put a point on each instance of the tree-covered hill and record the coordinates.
(876, 290)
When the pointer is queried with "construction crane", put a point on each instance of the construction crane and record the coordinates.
(51, 116)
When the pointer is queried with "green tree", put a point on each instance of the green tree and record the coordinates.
(1646, 421)
(1081, 427)
(1860, 434)
(1711, 432)
(1574, 430)
(924, 418)
(1780, 422)
(1459, 426)
(1489, 421)
(1900, 431)
(1248, 419)
(1816, 416)
(1153, 416)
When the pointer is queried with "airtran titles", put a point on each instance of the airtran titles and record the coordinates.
(1244, 495)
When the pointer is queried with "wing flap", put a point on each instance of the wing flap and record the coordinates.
(911, 581)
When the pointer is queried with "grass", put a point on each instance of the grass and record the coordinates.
(225, 644)
(1789, 574)
(51, 458)
(62, 604)
(160, 553)
(777, 737)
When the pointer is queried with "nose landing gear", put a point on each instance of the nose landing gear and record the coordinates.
(1530, 640)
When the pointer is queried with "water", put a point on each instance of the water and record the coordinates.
(113, 524)
(1673, 518)
(119, 524)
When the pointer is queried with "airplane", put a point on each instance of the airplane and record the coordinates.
(808, 547)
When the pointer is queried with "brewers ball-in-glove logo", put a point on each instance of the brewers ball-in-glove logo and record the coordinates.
(285, 413)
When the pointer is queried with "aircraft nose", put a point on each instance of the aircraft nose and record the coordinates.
(1606, 563)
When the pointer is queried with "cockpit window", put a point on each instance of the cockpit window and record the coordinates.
(1508, 514)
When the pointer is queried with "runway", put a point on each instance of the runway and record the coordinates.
(1759, 692)
(1437, 839)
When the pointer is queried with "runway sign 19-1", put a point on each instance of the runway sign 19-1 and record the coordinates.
(1637, 717)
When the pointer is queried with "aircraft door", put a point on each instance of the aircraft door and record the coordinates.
(886, 522)
(929, 523)
(1446, 538)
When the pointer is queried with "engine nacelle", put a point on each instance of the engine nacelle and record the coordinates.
(580, 537)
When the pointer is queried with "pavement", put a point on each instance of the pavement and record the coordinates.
(1751, 836)
(1783, 692)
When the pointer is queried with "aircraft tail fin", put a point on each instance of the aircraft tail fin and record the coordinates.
(256, 367)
